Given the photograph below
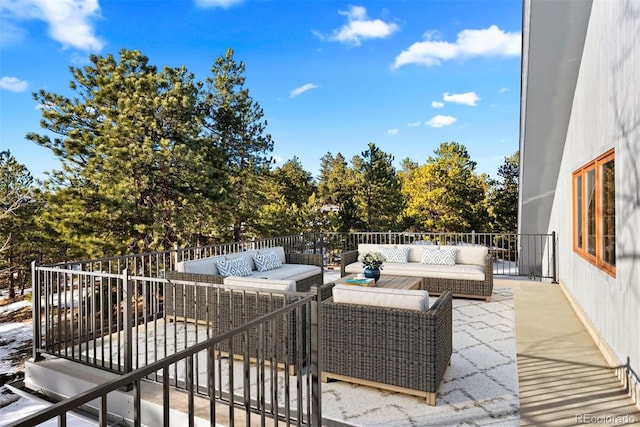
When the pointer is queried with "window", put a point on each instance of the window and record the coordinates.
(594, 212)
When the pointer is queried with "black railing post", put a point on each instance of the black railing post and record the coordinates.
(554, 260)
(37, 310)
(316, 358)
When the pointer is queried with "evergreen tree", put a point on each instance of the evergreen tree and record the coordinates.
(378, 190)
(293, 182)
(288, 205)
(131, 154)
(235, 122)
(406, 174)
(337, 186)
(504, 195)
(334, 186)
(17, 213)
(446, 194)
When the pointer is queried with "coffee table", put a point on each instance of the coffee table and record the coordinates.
(389, 282)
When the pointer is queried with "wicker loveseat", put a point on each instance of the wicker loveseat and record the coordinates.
(305, 269)
(398, 349)
(470, 276)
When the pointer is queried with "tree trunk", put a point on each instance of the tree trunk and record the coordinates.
(12, 290)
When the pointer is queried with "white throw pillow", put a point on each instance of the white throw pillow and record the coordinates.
(382, 297)
(439, 256)
(266, 262)
(234, 267)
(398, 255)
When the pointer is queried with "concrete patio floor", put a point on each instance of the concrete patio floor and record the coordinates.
(563, 377)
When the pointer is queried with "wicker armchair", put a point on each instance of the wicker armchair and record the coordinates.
(407, 351)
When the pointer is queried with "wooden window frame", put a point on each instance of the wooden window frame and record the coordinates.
(580, 214)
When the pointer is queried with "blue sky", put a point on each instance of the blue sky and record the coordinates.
(331, 76)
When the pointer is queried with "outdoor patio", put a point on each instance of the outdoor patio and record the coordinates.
(481, 386)
(553, 350)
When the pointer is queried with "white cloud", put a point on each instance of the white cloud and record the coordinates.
(360, 27)
(469, 98)
(392, 132)
(10, 32)
(414, 124)
(503, 89)
(440, 121)
(225, 4)
(69, 21)
(13, 84)
(302, 89)
(470, 43)
(436, 104)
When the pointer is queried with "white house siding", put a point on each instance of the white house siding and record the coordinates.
(606, 115)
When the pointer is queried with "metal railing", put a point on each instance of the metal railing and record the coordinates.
(154, 264)
(531, 255)
(145, 329)
(121, 315)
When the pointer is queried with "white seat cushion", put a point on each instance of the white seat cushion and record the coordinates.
(258, 283)
(416, 269)
(200, 266)
(457, 271)
(289, 271)
(381, 297)
(470, 254)
(364, 248)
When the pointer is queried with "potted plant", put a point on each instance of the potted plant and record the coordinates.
(372, 262)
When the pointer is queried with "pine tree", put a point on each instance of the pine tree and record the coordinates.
(235, 123)
(337, 179)
(504, 195)
(378, 190)
(130, 148)
(446, 194)
(293, 182)
(17, 212)
(288, 206)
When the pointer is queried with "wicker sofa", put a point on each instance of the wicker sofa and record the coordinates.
(399, 349)
(471, 276)
(305, 269)
(222, 308)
